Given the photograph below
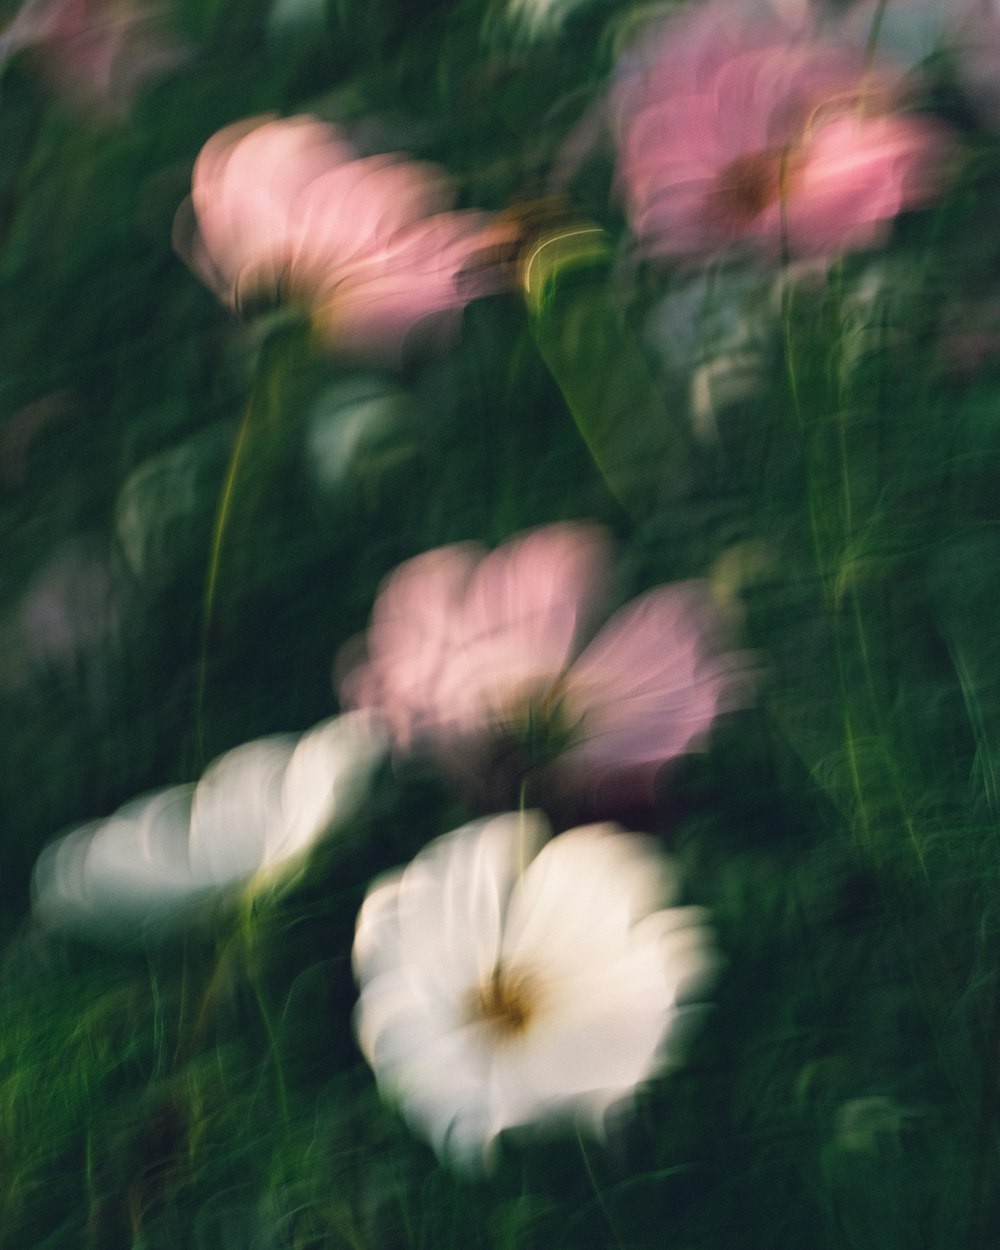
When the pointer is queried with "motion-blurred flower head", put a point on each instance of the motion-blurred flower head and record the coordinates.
(369, 244)
(504, 981)
(469, 654)
(253, 817)
(67, 631)
(752, 130)
(100, 52)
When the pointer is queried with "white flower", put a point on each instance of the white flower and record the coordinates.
(354, 425)
(166, 503)
(504, 981)
(255, 814)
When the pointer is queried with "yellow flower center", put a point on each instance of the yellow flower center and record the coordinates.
(506, 1002)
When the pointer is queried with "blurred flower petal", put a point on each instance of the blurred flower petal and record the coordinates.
(458, 638)
(240, 794)
(649, 687)
(326, 779)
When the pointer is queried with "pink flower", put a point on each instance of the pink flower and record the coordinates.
(753, 131)
(100, 52)
(368, 243)
(468, 652)
(245, 185)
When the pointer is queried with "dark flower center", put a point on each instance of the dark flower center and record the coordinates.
(746, 187)
(535, 722)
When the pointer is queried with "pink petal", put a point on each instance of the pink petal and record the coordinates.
(371, 305)
(366, 242)
(246, 183)
(355, 209)
(649, 687)
(859, 173)
(415, 627)
(521, 617)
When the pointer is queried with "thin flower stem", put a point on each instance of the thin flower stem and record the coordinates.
(186, 1040)
(597, 1192)
(248, 933)
(875, 32)
(789, 351)
(212, 575)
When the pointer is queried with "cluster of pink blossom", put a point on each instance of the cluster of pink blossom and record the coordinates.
(730, 129)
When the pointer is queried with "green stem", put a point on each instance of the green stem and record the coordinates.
(212, 576)
(597, 1192)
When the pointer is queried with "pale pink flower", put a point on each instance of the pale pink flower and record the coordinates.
(369, 244)
(244, 188)
(733, 130)
(100, 52)
(469, 652)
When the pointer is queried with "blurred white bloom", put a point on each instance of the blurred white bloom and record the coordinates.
(539, 18)
(255, 814)
(360, 419)
(504, 981)
(291, 18)
(725, 324)
(166, 503)
(872, 1125)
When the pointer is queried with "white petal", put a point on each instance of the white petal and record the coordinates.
(236, 805)
(453, 898)
(130, 871)
(326, 775)
(58, 880)
(138, 859)
(602, 1032)
(579, 899)
(427, 938)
